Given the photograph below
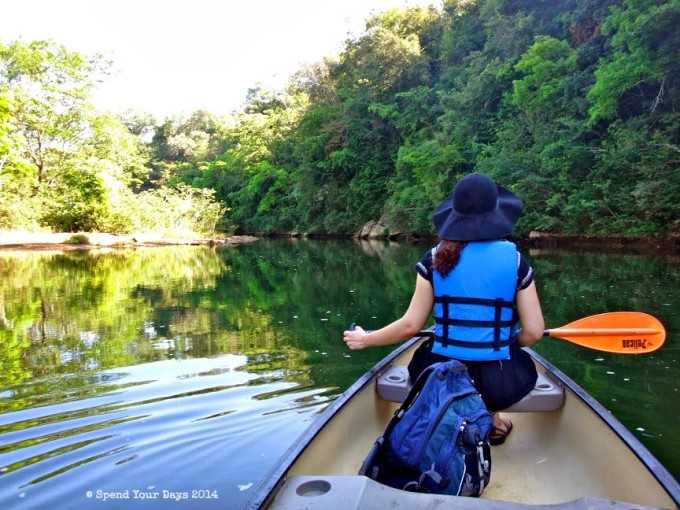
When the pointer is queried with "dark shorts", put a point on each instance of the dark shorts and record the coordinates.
(501, 383)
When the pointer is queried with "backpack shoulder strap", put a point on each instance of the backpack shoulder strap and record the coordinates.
(418, 386)
(368, 467)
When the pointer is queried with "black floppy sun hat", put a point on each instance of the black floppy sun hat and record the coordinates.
(477, 210)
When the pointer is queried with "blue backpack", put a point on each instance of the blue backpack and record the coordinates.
(437, 441)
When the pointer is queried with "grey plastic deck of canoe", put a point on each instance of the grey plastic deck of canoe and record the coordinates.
(362, 493)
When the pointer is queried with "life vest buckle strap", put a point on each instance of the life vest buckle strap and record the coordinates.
(474, 344)
(474, 301)
(468, 323)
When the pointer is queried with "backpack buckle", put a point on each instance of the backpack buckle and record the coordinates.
(431, 478)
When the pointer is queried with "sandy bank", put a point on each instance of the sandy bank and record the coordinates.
(58, 241)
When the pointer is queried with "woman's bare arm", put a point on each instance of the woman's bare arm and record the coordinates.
(402, 329)
(530, 315)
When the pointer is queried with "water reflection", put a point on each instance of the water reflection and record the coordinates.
(121, 369)
(73, 313)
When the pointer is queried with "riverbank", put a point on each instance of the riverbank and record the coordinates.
(14, 240)
(668, 244)
(647, 245)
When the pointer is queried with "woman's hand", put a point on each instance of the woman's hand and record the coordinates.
(402, 329)
(355, 339)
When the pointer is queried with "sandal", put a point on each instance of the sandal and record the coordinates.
(497, 435)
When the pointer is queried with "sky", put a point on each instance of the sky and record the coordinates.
(172, 58)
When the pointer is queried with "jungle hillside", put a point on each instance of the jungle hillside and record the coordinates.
(574, 105)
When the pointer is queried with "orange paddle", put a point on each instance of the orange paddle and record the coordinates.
(619, 332)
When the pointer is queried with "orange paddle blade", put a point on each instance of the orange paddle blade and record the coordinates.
(619, 332)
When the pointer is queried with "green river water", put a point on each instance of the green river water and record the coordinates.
(178, 376)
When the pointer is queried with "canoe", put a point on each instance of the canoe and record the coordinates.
(565, 451)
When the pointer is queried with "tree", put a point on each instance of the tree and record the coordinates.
(544, 66)
(71, 168)
(15, 172)
(48, 87)
(642, 73)
(93, 191)
(179, 144)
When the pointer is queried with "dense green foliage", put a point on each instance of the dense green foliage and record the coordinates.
(572, 104)
(66, 167)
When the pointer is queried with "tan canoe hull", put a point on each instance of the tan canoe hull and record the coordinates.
(550, 458)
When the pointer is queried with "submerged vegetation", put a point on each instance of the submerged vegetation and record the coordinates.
(574, 105)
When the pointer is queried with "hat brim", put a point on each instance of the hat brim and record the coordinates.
(490, 225)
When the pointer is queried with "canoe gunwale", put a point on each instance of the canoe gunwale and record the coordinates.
(658, 470)
(277, 474)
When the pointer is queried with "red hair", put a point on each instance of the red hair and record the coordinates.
(447, 256)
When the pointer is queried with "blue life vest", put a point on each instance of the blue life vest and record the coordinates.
(474, 306)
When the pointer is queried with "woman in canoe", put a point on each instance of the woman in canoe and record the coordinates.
(478, 286)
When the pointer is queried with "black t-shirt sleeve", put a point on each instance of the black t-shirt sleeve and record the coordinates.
(525, 273)
(424, 266)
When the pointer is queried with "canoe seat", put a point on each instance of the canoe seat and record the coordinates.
(394, 384)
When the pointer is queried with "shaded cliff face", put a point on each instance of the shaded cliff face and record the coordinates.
(647, 245)
(667, 244)
(374, 230)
